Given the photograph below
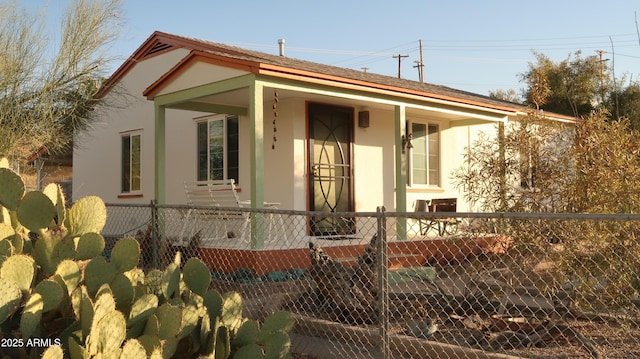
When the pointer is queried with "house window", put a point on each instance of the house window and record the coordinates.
(424, 157)
(528, 167)
(130, 178)
(218, 148)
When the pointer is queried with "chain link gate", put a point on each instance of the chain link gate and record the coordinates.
(415, 285)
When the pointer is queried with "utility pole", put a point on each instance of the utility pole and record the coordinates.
(399, 57)
(602, 61)
(365, 69)
(420, 65)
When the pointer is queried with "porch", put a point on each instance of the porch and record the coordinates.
(309, 144)
(287, 237)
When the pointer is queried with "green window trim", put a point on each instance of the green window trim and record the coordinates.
(131, 162)
(218, 148)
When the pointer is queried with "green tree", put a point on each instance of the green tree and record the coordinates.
(625, 103)
(506, 95)
(47, 87)
(574, 86)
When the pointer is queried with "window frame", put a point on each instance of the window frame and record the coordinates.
(127, 181)
(226, 169)
(410, 155)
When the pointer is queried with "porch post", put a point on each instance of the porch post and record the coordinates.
(401, 170)
(159, 154)
(256, 129)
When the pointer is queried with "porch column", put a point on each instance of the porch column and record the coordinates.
(256, 140)
(401, 170)
(159, 154)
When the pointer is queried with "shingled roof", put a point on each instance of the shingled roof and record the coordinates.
(160, 42)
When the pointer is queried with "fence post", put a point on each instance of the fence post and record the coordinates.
(383, 284)
(155, 237)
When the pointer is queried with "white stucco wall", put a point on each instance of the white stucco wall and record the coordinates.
(96, 169)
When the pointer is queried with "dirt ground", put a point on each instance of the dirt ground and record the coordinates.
(577, 337)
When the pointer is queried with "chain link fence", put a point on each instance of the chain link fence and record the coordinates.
(414, 285)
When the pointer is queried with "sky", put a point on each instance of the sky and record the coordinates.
(476, 46)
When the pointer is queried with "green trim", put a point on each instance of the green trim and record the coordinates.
(159, 147)
(400, 122)
(211, 108)
(475, 121)
(178, 97)
(256, 148)
(360, 95)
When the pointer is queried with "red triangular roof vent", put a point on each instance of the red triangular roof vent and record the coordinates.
(158, 47)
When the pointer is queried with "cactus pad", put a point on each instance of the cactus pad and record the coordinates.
(104, 305)
(54, 192)
(53, 352)
(21, 269)
(97, 273)
(247, 333)
(277, 322)
(6, 249)
(132, 349)
(11, 189)
(232, 310)
(10, 297)
(153, 281)
(278, 346)
(123, 292)
(170, 280)
(89, 245)
(250, 351)
(170, 320)
(141, 309)
(31, 315)
(69, 273)
(36, 211)
(197, 276)
(44, 249)
(86, 311)
(51, 292)
(190, 319)
(213, 302)
(151, 343)
(88, 214)
(6, 231)
(125, 254)
(108, 334)
(223, 343)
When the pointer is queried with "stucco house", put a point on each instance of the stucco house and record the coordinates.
(305, 135)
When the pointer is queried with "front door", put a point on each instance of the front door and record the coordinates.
(330, 183)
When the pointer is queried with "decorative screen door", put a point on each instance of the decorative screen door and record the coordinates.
(330, 182)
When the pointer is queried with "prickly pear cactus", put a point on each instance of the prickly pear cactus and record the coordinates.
(51, 292)
(89, 245)
(88, 214)
(21, 270)
(11, 190)
(196, 275)
(53, 277)
(10, 297)
(36, 211)
(125, 254)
